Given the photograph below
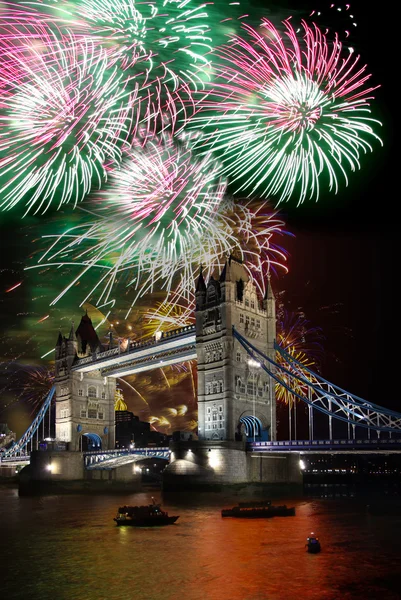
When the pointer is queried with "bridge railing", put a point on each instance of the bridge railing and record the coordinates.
(329, 444)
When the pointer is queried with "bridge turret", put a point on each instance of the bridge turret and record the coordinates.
(84, 401)
(229, 390)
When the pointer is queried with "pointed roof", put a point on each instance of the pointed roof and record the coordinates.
(200, 284)
(226, 272)
(72, 337)
(59, 339)
(86, 334)
(269, 290)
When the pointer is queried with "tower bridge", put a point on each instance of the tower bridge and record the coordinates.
(233, 342)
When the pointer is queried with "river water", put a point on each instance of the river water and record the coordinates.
(67, 548)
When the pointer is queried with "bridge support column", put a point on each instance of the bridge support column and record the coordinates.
(210, 465)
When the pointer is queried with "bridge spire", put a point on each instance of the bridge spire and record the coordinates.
(72, 337)
(200, 284)
(200, 290)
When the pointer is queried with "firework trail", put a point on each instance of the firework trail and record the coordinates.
(287, 113)
(163, 214)
(63, 121)
(297, 336)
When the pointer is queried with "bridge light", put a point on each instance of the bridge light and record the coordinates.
(50, 468)
(302, 465)
(254, 363)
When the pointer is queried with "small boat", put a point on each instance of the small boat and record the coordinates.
(143, 516)
(258, 510)
(313, 544)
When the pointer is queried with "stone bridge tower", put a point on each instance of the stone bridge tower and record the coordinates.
(235, 397)
(84, 401)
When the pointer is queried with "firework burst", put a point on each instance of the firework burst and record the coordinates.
(287, 113)
(126, 250)
(64, 117)
(302, 341)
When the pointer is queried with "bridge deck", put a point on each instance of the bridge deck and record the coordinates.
(331, 446)
(175, 346)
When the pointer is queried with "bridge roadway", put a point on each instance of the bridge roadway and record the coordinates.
(110, 459)
(172, 347)
(387, 446)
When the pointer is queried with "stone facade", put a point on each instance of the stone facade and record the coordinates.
(84, 401)
(230, 387)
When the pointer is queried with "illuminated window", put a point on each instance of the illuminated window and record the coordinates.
(92, 393)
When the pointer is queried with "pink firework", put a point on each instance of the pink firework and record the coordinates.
(65, 115)
(287, 111)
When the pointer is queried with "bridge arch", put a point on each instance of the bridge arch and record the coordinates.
(90, 441)
(253, 428)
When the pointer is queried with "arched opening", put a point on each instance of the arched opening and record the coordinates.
(253, 429)
(90, 442)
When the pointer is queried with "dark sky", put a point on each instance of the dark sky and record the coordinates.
(345, 245)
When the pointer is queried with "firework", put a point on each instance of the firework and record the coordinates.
(64, 117)
(297, 336)
(296, 333)
(284, 395)
(287, 113)
(142, 264)
(34, 385)
(149, 222)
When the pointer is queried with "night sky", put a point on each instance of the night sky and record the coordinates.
(341, 271)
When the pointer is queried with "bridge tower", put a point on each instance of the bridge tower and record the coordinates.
(236, 399)
(84, 401)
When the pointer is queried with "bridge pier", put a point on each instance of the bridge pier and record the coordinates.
(215, 464)
(64, 472)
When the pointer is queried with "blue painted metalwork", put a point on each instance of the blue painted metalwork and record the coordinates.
(373, 446)
(253, 426)
(347, 407)
(20, 447)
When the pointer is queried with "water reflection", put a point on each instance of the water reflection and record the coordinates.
(68, 548)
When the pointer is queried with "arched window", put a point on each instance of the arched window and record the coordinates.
(92, 392)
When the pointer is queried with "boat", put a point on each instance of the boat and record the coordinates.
(313, 544)
(258, 510)
(143, 516)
